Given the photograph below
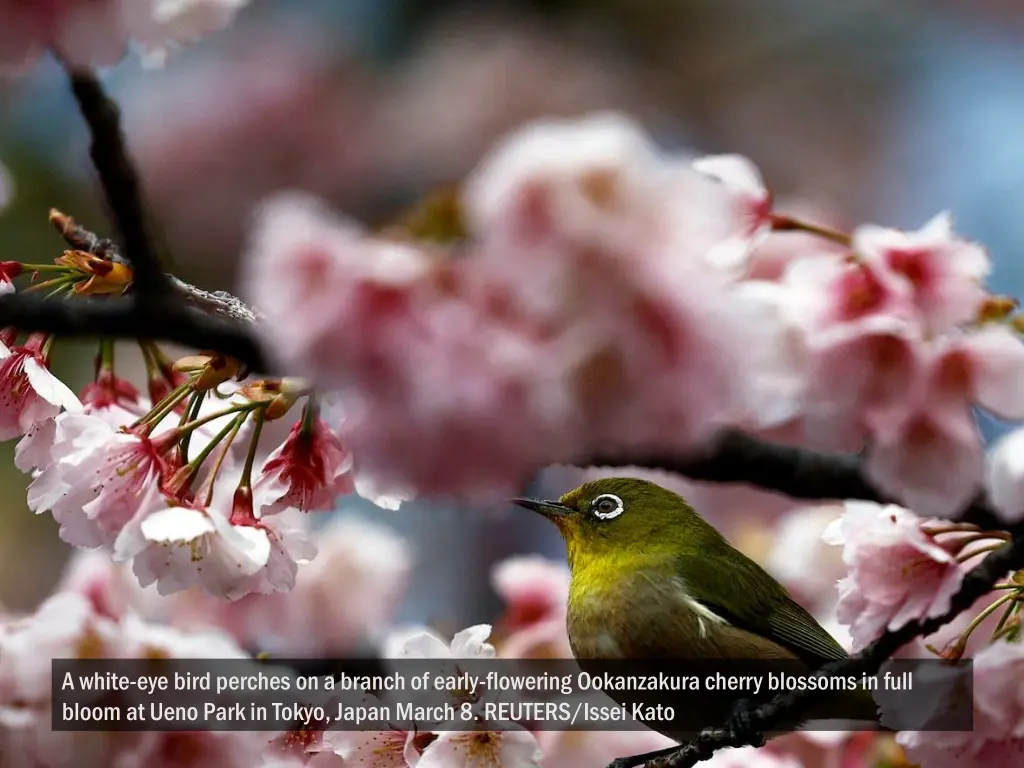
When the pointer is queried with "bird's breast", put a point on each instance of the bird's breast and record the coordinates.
(650, 615)
(645, 616)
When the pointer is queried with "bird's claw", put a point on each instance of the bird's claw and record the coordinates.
(741, 725)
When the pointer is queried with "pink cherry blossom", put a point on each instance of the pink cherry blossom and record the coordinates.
(29, 393)
(898, 571)
(931, 456)
(111, 398)
(372, 749)
(752, 206)
(944, 273)
(417, 643)
(827, 749)
(8, 269)
(997, 737)
(344, 596)
(1005, 480)
(219, 547)
(482, 749)
(307, 472)
(100, 479)
(64, 626)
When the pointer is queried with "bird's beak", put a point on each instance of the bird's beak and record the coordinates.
(550, 509)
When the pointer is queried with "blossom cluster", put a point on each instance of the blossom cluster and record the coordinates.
(608, 298)
(167, 486)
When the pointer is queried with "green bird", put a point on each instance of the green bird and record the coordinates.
(653, 581)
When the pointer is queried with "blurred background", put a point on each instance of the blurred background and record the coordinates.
(854, 110)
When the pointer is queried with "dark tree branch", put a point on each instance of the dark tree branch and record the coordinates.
(120, 183)
(788, 706)
(126, 317)
(796, 472)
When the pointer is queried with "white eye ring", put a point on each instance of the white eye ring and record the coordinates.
(619, 507)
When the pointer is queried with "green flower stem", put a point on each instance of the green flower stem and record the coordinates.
(165, 406)
(310, 416)
(976, 622)
(57, 282)
(241, 407)
(191, 413)
(250, 456)
(106, 355)
(208, 448)
(46, 268)
(235, 426)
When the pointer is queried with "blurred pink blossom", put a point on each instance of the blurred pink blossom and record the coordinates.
(931, 456)
(372, 749)
(944, 273)
(581, 322)
(1005, 479)
(997, 737)
(802, 560)
(213, 135)
(536, 594)
(97, 31)
(749, 757)
(421, 643)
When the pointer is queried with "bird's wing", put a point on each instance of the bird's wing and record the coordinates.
(753, 601)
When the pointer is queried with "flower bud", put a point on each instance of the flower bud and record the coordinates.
(105, 275)
(209, 369)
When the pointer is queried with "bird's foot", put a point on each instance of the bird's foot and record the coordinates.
(741, 725)
(636, 760)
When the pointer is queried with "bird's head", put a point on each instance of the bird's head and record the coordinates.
(618, 515)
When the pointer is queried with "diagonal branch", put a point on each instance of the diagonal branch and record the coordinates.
(782, 708)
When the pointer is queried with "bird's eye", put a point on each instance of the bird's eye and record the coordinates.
(607, 506)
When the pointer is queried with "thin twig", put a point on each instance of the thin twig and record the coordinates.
(120, 182)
